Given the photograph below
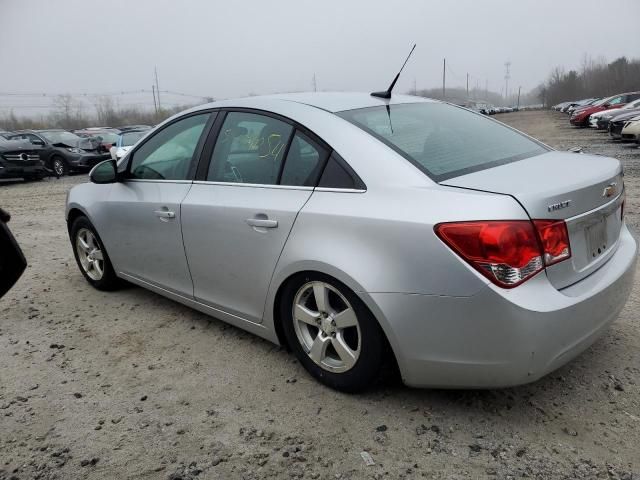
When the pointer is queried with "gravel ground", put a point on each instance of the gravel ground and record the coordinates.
(130, 385)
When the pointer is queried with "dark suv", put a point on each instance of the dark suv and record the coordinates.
(20, 159)
(63, 151)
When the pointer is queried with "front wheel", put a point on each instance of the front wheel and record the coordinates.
(332, 332)
(59, 166)
(91, 256)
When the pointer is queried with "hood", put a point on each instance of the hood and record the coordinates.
(83, 143)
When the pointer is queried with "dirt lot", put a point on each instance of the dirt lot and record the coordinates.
(131, 385)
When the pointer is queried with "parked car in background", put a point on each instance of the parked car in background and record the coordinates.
(579, 104)
(617, 123)
(106, 137)
(4, 134)
(125, 141)
(12, 261)
(580, 117)
(20, 159)
(631, 130)
(629, 110)
(596, 120)
(64, 151)
(134, 127)
(346, 226)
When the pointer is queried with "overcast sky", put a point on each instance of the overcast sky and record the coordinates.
(226, 49)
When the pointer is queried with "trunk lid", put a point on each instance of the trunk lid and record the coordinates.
(584, 190)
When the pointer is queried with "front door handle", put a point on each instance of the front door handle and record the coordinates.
(165, 214)
(262, 222)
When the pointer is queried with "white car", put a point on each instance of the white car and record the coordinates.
(125, 141)
(631, 130)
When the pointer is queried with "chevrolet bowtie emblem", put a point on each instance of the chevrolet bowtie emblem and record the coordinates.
(609, 190)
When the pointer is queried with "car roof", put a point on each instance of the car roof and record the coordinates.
(328, 101)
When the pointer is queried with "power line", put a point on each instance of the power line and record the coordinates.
(93, 94)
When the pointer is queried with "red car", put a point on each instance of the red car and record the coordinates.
(580, 116)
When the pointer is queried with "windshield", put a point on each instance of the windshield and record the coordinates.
(67, 138)
(442, 140)
(130, 138)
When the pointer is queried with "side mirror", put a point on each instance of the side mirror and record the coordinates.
(104, 172)
(37, 142)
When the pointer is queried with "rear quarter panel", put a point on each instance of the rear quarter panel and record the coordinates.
(383, 241)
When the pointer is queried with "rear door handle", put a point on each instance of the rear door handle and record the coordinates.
(262, 222)
(165, 214)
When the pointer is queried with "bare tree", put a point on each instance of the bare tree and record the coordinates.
(67, 111)
(106, 110)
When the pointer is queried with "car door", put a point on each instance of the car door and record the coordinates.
(237, 217)
(144, 236)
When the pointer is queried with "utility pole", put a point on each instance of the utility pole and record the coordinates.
(518, 108)
(415, 87)
(507, 76)
(155, 105)
(444, 68)
(315, 86)
(467, 86)
(486, 89)
(158, 88)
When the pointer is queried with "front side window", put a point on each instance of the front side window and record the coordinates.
(615, 101)
(442, 140)
(249, 149)
(168, 154)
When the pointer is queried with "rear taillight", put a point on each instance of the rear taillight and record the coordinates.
(554, 239)
(507, 252)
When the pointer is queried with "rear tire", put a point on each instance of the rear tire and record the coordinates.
(332, 332)
(91, 256)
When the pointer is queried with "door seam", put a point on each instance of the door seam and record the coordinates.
(275, 267)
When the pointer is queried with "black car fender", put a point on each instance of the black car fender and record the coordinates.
(12, 260)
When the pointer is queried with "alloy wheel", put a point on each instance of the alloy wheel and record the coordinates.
(89, 253)
(58, 167)
(326, 326)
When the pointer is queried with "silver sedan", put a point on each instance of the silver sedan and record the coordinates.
(359, 231)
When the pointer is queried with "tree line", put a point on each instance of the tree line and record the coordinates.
(69, 113)
(594, 78)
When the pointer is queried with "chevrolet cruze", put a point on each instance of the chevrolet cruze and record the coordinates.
(359, 230)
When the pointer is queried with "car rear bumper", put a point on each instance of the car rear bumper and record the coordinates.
(500, 337)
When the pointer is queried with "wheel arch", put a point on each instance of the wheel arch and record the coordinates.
(349, 282)
(73, 213)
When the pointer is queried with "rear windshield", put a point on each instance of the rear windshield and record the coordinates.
(442, 140)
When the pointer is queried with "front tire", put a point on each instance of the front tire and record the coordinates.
(331, 332)
(91, 256)
(59, 166)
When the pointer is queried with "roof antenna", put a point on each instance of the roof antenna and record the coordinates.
(387, 93)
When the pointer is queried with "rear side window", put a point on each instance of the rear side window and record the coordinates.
(249, 149)
(304, 162)
(337, 174)
(442, 140)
